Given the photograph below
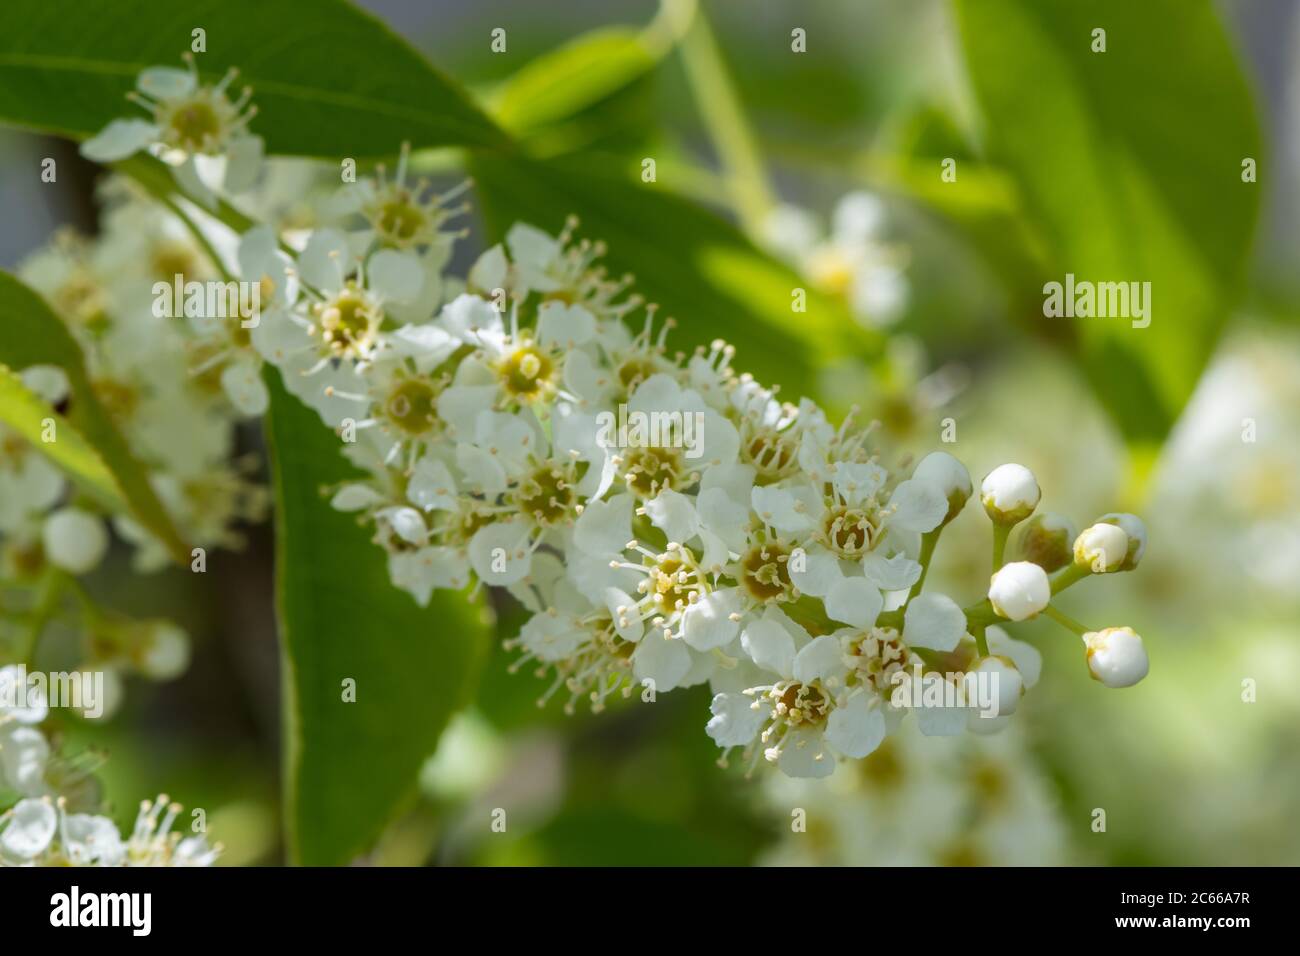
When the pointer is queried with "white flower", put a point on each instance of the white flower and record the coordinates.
(166, 651)
(74, 540)
(1101, 548)
(807, 716)
(1019, 590)
(948, 475)
(1116, 656)
(1009, 493)
(194, 127)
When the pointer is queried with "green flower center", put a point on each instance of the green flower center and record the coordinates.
(349, 321)
(647, 471)
(546, 495)
(411, 406)
(194, 125)
(526, 373)
(400, 220)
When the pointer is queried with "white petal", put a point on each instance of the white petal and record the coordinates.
(432, 486)
(489, 272)
(781, 508)
(1024, 655)
(243, 385)
(820, 573)
(935, 621)
(769, 645)
(604, 527)
(325, 259)
(483, 471)
(165, 82)
(896, 573)
(355, 497)
(564, 325)
(804, 755)
(854, 601)
(660, 660)
(407, 524)
(674, 514)
(735, 721)
(627, 622)
(856, 727)
(498, 552)
(920, 506)
(243, 163)
(119, 139)
(552, 637)
(707, 623)
(822, 659)
(395, 275)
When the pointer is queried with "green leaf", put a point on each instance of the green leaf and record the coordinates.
(25, 412)
(698, 267)
(34, 335)
(349, 767)
(563, 82)
(1129, 165)
(327, 78)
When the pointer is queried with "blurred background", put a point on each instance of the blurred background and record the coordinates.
(1187, 769)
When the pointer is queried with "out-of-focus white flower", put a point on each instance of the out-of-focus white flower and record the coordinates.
(74, 540)
(1019, 590)
(194, 127)
(1116, 656)
(852, 261)
(1101, 548)
(165, 653)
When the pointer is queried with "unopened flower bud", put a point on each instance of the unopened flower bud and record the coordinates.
(949, 476)
(1005, 683)
(74, 540)
(1047, 540)
(1019, 590)
(1101, 548)
(1009, 494)
(1137, 537)
(1116, 656)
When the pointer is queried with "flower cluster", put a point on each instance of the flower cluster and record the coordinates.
(667, 520)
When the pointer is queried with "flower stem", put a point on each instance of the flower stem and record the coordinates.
(981, 642)
(1000, 534)
(928, 542)
(1065, 621)
(1069, 576)
(719, 106)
